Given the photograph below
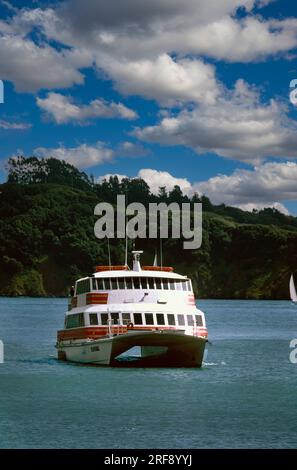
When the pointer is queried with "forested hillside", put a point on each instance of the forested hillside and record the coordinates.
(47, 236)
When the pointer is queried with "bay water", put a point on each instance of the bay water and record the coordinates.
(244, 396)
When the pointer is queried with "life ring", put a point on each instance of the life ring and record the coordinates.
(130, 325)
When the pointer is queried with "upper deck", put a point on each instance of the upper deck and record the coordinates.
(123, 286)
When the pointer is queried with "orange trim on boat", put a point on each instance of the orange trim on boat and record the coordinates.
(92, 298)
(110, 268)
(166, 269)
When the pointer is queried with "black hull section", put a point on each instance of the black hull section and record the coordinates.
(180, 350)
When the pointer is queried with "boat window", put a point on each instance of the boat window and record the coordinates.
(93, 319)
(114, 318)
(144, 282)
(94, 284)
(75, 321)
(107, 285)
(83, 286)
(181, 320)
(190, 320)
(100, 284)
(149, 319)
(171, 319)
(136, 281)
(171, 284)
(128, 282)
(189, 286)
(158, 283)
(178, 285)
(165, 284)
(126, 318)
(184, 285)
(104, 318)
(199, 321)
(151, 284)
(138, 318)
(160, 319)
(113, 283)
(121, 282)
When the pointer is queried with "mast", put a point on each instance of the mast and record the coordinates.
(126, 234)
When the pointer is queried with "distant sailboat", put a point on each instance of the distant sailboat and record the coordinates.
(293, 294)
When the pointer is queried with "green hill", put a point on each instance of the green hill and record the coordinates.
(47, 238)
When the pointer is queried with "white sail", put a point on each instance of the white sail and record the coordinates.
(293, 294)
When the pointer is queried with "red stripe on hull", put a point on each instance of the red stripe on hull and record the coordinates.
(101, 331)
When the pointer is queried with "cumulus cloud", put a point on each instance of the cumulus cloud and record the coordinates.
(238, 126)
(134, 31)
(136, 41)
(14, 125)
(155, 179)
(63, 109)
(82, 156)
(268, 185)
(32, 67)
(264, 186)
(166, 80)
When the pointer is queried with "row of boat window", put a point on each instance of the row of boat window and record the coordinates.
(158, 319)
(132, 283)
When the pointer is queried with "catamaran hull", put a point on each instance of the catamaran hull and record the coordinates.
(158, 349)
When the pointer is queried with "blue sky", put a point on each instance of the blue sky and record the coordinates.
(194, 93)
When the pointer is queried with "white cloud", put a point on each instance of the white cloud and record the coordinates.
(31, 67)
(14, 125)
(264, 186)
(238, 127)
(156, 179)
(166, 80)
(135, 41)
(268, 185)
(63, 109)
(136, 31)
(83, 156)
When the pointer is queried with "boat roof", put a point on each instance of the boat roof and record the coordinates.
(130, 273)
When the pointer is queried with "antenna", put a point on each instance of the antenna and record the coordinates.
(155, 259)
(126, 235)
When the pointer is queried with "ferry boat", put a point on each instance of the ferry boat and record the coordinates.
(118, 308)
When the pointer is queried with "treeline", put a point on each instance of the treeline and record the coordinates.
(47, 239)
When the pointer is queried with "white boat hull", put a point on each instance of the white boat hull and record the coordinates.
(158, 348)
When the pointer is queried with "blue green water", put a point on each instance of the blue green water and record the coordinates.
(244, 396)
